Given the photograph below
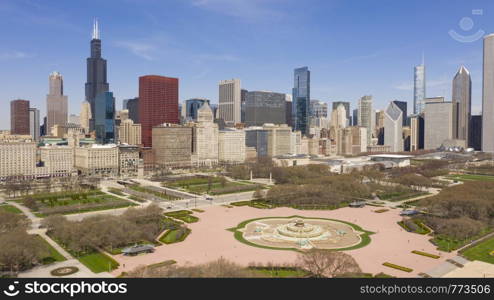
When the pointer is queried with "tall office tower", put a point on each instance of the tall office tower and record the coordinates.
(393, 127)
(488, 95)
(243, 98)
(301, 100)
(462, 102)
(34, 128)
(365, 115)
(129, 133)
(318, 109)
(438, 120)
(379, 131)
(476, 133)
(104, 118)
(96, 72)
(402, 105)
(205, 137)
(339, 117)
(288, 109)
(355, 117)
(133, 108)
(85, 115)
(419, 88)
(56, 102)
(347, 109)
(124, 103)
(192, 106)
(158, 104)
(19, 117)
(264, 107)
(230, 101)
(417, 132)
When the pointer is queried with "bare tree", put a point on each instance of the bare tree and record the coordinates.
(326, 263)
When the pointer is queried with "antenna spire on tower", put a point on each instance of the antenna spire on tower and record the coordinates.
(95, 29)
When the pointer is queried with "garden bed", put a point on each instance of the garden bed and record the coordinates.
(397, 267)
(426, 254)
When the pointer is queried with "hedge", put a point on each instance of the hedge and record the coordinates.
(426, 254)
(397, 267)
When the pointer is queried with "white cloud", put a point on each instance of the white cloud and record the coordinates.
(140, 49)
(245, 9)
(9, 55)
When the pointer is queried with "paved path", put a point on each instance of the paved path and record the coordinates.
(35, 221)
(42, 233)
(44, 271)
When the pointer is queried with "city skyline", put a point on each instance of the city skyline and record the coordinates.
(132, 54)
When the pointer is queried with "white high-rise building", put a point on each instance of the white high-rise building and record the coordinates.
(366, 116)
(205, 137)
(230, 101)
(34, 129)
(488, 95)
(338, 117)
(419, 88)
(393, 127)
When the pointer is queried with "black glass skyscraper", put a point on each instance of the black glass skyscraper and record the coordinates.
(301, 100)
(96, 72)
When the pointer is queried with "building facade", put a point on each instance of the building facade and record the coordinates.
(34, 126)
(264, 107)
(56, 102)
(301, 100)
(419, 89)
(438, 120)
(192, 106)
(417, 132)
(230, 101)
(129, 133)
(393, 127)
(85, 115)
(97, 160)
(172, 145)
(19, 117)
(231, 146)
(462, 102)
(55, 161)
(366, 116)
(347, 109)
(488, 95)
(158, 104)
(18, 160)
(205, 138)
(104, 118)
(133, 108)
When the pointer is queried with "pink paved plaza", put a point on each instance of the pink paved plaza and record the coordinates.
(210, 240)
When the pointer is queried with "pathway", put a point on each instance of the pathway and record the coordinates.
(42, 233)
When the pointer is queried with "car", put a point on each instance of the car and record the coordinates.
(209, 198)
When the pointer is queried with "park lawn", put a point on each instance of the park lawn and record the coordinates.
(170, 237)
(98, 262)
(280, 273)
(184, 183)
(481, 251)
(400, 196)
(448, 244)
(470, 177)
(10, 209)
(54, 254)
(147, 190)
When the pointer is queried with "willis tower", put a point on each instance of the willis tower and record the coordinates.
(100, 99)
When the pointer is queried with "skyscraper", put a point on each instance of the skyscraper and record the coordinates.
(347, 109)
(230, 101)
(158, 104)
(488, 95)
(85, 115)
(19, 117)
(96, 72)
(366, 115)
(393, 127)
(318, 109)
(56, 102)
(264, 107)
(192, 106)
(419, 88)
(462, 102)
(133, 107)
(301, 100)
(34, 128)
(438, 120)
(402, 105)
(339, 117)
(104, 118)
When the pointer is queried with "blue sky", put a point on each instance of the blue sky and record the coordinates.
(352, 47)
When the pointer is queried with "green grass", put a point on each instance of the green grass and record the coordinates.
(365, 237)
(198, 210)
(448, 244)
(146, 190)
(276, 272)
(116, 191)
(98, 262)
(183, 215)
(10, 209)
(398, 267)
(426, 254)
(470, 177)
(53, 256)
(402, 196)
(482, 251)
(421, 228)
(170, 237)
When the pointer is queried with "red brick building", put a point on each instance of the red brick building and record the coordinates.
(19, 117)
(158, 104)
